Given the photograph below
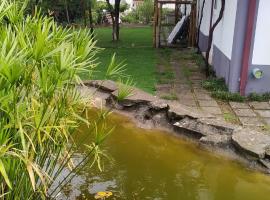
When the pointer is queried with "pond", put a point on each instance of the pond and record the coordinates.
(154, 164)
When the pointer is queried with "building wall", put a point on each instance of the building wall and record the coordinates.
(224, 32)
(260, 53)
(204, 30)
(228, 43)
(223, 43)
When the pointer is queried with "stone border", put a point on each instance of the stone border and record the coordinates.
(204, 128)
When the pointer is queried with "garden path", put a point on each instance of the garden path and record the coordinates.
(180, 80)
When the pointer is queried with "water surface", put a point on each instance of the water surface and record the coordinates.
(152, 164)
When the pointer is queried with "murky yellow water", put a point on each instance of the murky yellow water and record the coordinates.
(152, 164)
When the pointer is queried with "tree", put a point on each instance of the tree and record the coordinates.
(115, 14)
(211, 33)
(146, 11)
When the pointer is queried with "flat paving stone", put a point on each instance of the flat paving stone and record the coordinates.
(260, 105)
(250, 121)
(188, 103)
(264, 113)
(238, 105)
(208, 103)
(267, 120)
(244, 112)
(252, 142)
(203, 96)
(212, 110)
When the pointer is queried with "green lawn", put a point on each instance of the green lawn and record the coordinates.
(135, 48)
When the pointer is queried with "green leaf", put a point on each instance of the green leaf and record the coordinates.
(4, 174)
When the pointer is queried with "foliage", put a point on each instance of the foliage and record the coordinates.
(219, 90)
(215, 84)
(131, 17)
(146, 11)
(125, 89)
(171, 96)
(40, 107)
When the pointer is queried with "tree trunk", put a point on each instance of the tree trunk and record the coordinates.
(67, 13)
(210, 39)
(83, 11)
(117, 18)
(91, 18)
(111, 10)
(199, 27)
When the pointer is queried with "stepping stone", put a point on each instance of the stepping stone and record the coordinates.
(212, 110)
(208, 103)
(203, 96)
(267, 120)
(244, 113)
(260, 105)
(251, 142)
(190, 103)
(238, 105)
(250, 121)
(264, 113)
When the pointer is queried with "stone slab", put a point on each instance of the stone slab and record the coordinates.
(238, 105)
(250, 121)
(203, 96)
(106, 85)
(159, 105)
(246, 112)
(188, 102)
(251, 142)
(264, 113)
(260, 105)
(267, 120)
(208, 103)
(212, 110)
(178, 110)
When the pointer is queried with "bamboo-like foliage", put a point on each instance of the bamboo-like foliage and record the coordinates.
(40, 64)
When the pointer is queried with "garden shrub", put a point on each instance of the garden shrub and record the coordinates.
(40, 107)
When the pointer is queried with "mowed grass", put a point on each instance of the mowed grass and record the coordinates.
(135, 49)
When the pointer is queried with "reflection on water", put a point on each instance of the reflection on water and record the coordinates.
(156, 165)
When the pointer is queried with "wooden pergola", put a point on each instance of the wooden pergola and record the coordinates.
(158, 4)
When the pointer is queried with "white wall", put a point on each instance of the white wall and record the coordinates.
(206, 16)
(224, 32)
(261, 51)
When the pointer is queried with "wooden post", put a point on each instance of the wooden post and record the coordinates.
(176, 13)
(159, 24)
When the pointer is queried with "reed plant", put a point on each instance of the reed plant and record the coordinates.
(40, 107)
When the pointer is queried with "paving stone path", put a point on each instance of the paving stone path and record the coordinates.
(185, 87)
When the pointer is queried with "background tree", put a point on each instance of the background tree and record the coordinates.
(146, 11)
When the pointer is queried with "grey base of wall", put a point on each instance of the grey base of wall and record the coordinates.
(224, 68)
(258, 85)
(203, 42)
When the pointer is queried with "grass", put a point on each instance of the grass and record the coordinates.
(171, 96)
(219, 90)
(229, 117)
(135, 49)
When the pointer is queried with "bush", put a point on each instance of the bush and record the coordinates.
(146, 11)
(40, 108)
(130, 18)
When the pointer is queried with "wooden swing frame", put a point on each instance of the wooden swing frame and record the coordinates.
(158, 14)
